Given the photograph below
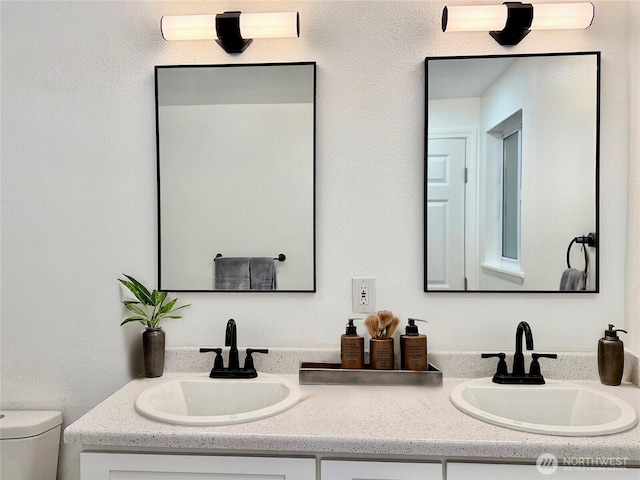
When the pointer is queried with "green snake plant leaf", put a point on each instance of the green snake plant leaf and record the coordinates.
(133, 319)
(168, 307)
(138, 290)
(158, 297)
(133, 307)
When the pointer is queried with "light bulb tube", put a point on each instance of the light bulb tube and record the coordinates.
(550, 16)
(270, 25)
(481, 18)
(189, 27)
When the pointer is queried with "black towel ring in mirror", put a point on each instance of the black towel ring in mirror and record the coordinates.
(280, 258)
(588, 241)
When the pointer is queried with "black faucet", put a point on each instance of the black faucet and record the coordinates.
(518, 358)
(234, 370)
(518, 376)
(231, 340)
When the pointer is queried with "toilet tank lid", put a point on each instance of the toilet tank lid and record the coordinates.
(23, 424)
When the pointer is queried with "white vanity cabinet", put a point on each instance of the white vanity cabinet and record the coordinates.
(161, 466)
(149, 466)
(493, 471)
(370, 470)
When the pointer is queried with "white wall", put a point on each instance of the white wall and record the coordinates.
(79, 189)
(632, 277)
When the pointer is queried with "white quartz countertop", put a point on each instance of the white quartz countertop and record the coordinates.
(364, 420)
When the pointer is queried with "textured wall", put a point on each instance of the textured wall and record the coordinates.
(632, 286)
(79, 189)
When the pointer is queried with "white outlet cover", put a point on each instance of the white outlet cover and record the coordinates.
(370, 282)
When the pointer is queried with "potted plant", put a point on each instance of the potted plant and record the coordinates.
(150, 309)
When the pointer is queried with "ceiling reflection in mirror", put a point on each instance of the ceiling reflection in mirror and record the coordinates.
(511, 194)
(236, 181)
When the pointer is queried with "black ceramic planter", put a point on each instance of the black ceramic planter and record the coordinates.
(153, 350)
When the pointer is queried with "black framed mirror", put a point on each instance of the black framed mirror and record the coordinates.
(511, 173)
(236, 177)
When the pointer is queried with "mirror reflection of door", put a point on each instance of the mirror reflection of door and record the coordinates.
(446, 205)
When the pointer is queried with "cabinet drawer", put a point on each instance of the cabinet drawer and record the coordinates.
(370, 470)
(149, 466)
(493, 471)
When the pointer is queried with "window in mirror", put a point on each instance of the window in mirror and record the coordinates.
(511, 170)
(511, 196)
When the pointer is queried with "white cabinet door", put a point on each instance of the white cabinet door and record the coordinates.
(130, 466)
(494, 471)
(368, 470)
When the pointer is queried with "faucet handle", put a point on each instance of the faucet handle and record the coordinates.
(218, 363)
(534, 369)
(502, 365)
(248, 362)
(544, 355)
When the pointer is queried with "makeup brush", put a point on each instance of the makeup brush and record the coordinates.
(384, 319)
(391, 328)
(371, 323)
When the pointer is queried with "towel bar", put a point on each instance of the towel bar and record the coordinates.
(280, 258)
(588, 240)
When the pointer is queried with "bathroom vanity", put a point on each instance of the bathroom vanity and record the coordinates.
(341, 432)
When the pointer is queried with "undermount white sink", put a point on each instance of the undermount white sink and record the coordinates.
(556, 408)
(200, 400)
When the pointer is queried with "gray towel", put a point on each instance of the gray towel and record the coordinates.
(262, 271)
(232, 273)
(573, 279)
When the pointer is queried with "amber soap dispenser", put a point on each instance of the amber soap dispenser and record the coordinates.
(351, 347)
(413, 348)
(611, 357)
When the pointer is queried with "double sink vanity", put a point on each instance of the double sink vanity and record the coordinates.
(186, 424)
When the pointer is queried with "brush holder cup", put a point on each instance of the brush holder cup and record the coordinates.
(381, 354)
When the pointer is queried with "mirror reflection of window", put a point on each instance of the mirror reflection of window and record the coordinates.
(504, 156)
(511, 160)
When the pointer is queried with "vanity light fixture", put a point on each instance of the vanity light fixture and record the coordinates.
(511, 22)
(233, 31)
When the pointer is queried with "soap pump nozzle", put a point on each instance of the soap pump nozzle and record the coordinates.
(412, 328)
(351, 328)
(611, 333)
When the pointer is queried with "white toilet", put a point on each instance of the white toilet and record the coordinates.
(29, 445)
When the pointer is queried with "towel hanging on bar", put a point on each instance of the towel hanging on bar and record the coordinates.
(232, 273)
(262, 273)
(246, 273)
(573, 279)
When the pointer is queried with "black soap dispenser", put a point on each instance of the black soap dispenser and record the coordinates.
(611, 357)
(352, 347)
(413, 348)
